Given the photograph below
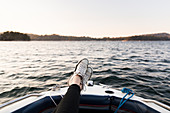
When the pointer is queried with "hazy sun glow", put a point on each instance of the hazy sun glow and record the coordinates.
(96, 18)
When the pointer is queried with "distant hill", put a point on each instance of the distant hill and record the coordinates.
(33, 36)
(149, 37)
(160, 35)
(146, 37)
(14, 36)
(55, 37)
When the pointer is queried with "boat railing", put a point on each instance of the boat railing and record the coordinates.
(157, 103)
(19, 99)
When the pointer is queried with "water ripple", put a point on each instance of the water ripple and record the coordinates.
(140, 66)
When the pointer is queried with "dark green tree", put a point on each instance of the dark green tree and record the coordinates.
(14, 36)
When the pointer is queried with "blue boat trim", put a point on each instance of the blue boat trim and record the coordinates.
(106, 103)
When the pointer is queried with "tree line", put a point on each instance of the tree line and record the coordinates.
(17, 36)
(14, 36)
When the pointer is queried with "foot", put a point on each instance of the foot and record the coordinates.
(81, 80)
(82, 74)
(87, 76)
(75, 80)
(81, 67)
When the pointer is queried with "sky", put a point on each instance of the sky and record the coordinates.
(95, 18)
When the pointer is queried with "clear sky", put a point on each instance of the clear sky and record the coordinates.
(96, 18)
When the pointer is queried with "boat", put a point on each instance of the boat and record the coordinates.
(96, 98)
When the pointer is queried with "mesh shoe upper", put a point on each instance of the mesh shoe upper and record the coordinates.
(83, 71)
(81, 67)
(87, 75)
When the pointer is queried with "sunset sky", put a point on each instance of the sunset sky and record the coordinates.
(96, 18)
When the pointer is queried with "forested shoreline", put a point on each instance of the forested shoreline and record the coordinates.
(17, 36)
(14, 36)
(147, 37)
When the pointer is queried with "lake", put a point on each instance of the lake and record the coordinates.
(35, 66)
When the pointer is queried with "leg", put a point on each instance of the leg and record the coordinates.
(70, 102)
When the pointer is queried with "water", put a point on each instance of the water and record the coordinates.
(29, 67)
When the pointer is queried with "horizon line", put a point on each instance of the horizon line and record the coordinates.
(150, 33)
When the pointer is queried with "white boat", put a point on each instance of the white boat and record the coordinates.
(96, 98)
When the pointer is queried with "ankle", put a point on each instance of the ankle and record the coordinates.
(76, 80)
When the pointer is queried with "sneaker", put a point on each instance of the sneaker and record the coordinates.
(81, 67)
(86, 77)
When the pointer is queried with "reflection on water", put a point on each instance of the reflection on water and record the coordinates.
(27, 67)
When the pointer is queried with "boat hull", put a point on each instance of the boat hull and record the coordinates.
(95, 98)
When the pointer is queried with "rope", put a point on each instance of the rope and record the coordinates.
(53, 89)
(128, 92)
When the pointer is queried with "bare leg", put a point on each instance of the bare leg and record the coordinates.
(76, 80)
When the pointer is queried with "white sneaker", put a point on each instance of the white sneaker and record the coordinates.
(87, 76)
(83, 71)
(81, 67)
